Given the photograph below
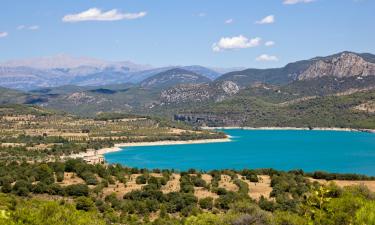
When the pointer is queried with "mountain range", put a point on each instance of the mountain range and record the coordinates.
(337, 89)
(28, 74)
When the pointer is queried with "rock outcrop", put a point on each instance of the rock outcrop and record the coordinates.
(344, 65)
(199, 92)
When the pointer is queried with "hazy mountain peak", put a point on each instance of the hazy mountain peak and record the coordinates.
(70, 62)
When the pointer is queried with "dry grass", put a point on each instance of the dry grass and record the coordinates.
(207, 178)
(345, 183)
(173, 185)
(201, 192)
(262, 188)
(121, 189)
(226, 183)
(71, 178)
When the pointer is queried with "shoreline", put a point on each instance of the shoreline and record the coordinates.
(292, 128)
(95, 155)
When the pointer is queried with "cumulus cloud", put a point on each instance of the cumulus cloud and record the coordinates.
(269, 43)
(238, 42)
(95, 14)
(292, 2)
(266, 58)
(266, 20)
(3, 34)
(229, 21)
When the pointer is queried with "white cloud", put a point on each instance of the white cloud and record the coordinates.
(292, 2)
(32, 27)
(266, 20)
(95, 14)
(202, 14)
(238, 42)
(3, 34)
(21, 27)
(229, 21)
(266, 58)
(269, 43)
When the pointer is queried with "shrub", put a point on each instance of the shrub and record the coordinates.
(141, 179)
(77, 190)
(206, 203)
(84, 203)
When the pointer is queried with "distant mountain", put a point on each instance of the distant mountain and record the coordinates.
(343, 65)
(26, 78)
(338, 65)
(276, 76)
(9, 96)
(172, 78)
(171, 90)
(68, 62)
(35, 73)
(210, 73)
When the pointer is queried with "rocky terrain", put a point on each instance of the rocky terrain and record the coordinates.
(199, 92)
(344, 65)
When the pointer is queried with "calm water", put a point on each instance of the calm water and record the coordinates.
(349, 152)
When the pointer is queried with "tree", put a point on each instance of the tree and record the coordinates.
(35, 212)
(206, 203)
(22, 188)
(204, 219)
(84, 203)
(141, 179)
(77, 190)
(366, 214)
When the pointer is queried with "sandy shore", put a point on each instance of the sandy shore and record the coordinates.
(292, 128)
(95, 154)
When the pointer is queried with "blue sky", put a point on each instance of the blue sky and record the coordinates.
(187, 32)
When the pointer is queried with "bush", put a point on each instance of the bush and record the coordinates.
(77, 190)
(22, 188)
(40, 188)
(84, 203)
(141, 179)
(206, 203)
(60, 176)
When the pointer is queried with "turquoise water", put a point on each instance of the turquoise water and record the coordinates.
(333, 151)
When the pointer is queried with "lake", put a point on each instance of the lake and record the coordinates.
(332, 151)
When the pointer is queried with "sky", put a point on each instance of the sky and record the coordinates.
(219, 33)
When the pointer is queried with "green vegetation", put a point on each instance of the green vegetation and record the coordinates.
(34, 133)
(32, 195)
(38, 186)
(245, 110)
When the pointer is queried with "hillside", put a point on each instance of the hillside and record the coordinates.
(245, 99)
(339, 65)
(325, 111)
(172, 78)
(343, 65)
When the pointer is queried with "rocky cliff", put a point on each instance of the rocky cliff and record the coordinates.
(344, 65)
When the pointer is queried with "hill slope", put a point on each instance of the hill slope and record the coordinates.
(172, 78)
